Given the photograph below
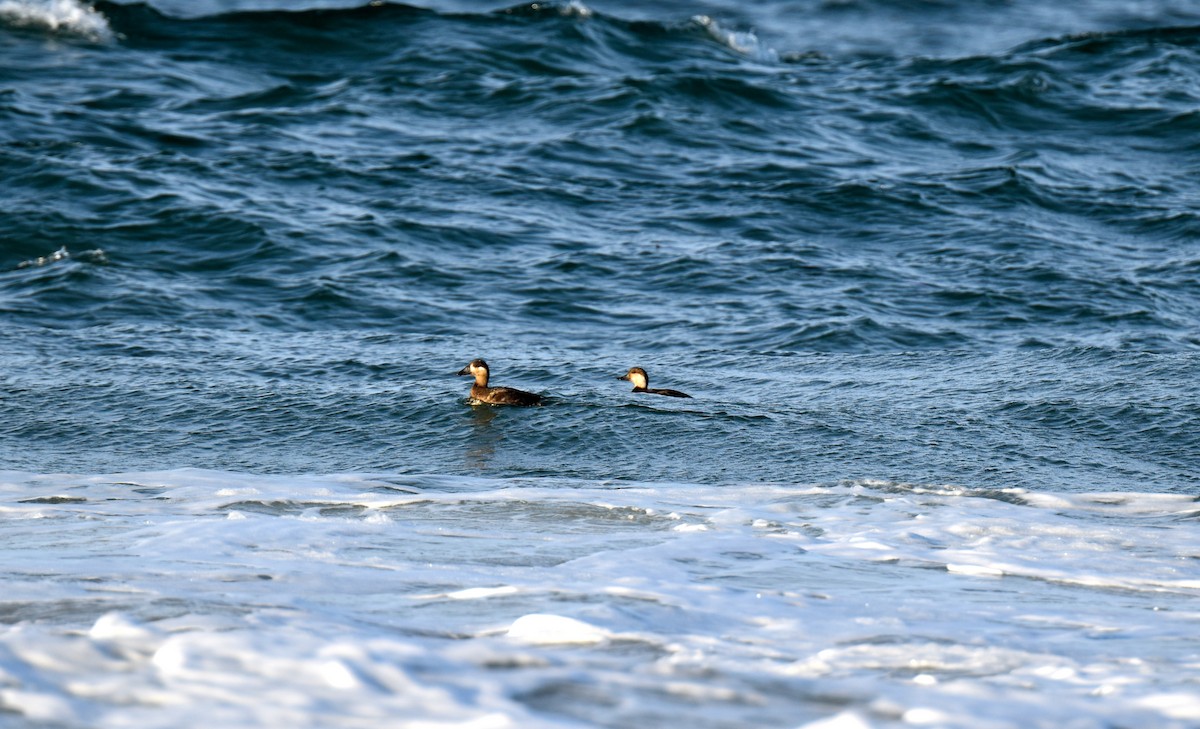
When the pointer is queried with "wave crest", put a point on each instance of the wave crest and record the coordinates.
(744, 42)
(57, 16)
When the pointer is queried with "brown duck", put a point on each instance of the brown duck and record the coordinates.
(481, 393)
(638, 377)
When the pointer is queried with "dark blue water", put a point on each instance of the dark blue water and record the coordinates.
(950, 243)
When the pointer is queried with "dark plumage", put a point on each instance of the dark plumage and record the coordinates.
(481, 393)
(638, 377)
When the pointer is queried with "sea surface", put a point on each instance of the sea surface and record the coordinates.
(930, 271)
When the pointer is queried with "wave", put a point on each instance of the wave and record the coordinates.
(489, 602)
(69, 17)
(876, 204)
(95, 255)
(1095, 42)
(141, 22)
(744, 42)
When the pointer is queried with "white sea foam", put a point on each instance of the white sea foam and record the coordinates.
(57, 16)
(135, 599)
(576, 9)
(744, 42)
(555, 630)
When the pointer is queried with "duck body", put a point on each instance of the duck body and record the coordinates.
(482, 394)
(640, 380)
(661, 391)
(504, 396)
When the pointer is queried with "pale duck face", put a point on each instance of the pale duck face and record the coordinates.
(477, 369)
(637, 376)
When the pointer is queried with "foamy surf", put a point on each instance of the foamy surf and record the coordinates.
(302, 600)
(69, 17)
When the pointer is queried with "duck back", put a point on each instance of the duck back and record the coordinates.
(504, 396)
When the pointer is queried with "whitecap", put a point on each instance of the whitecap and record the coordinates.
(745, 42)
(539, 629)
(95, 255)
(480, 593)
(57, 16)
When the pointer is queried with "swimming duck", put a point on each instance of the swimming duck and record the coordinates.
(637, 376)
(481, 393)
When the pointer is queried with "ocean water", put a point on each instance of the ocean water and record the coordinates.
(930, 271)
